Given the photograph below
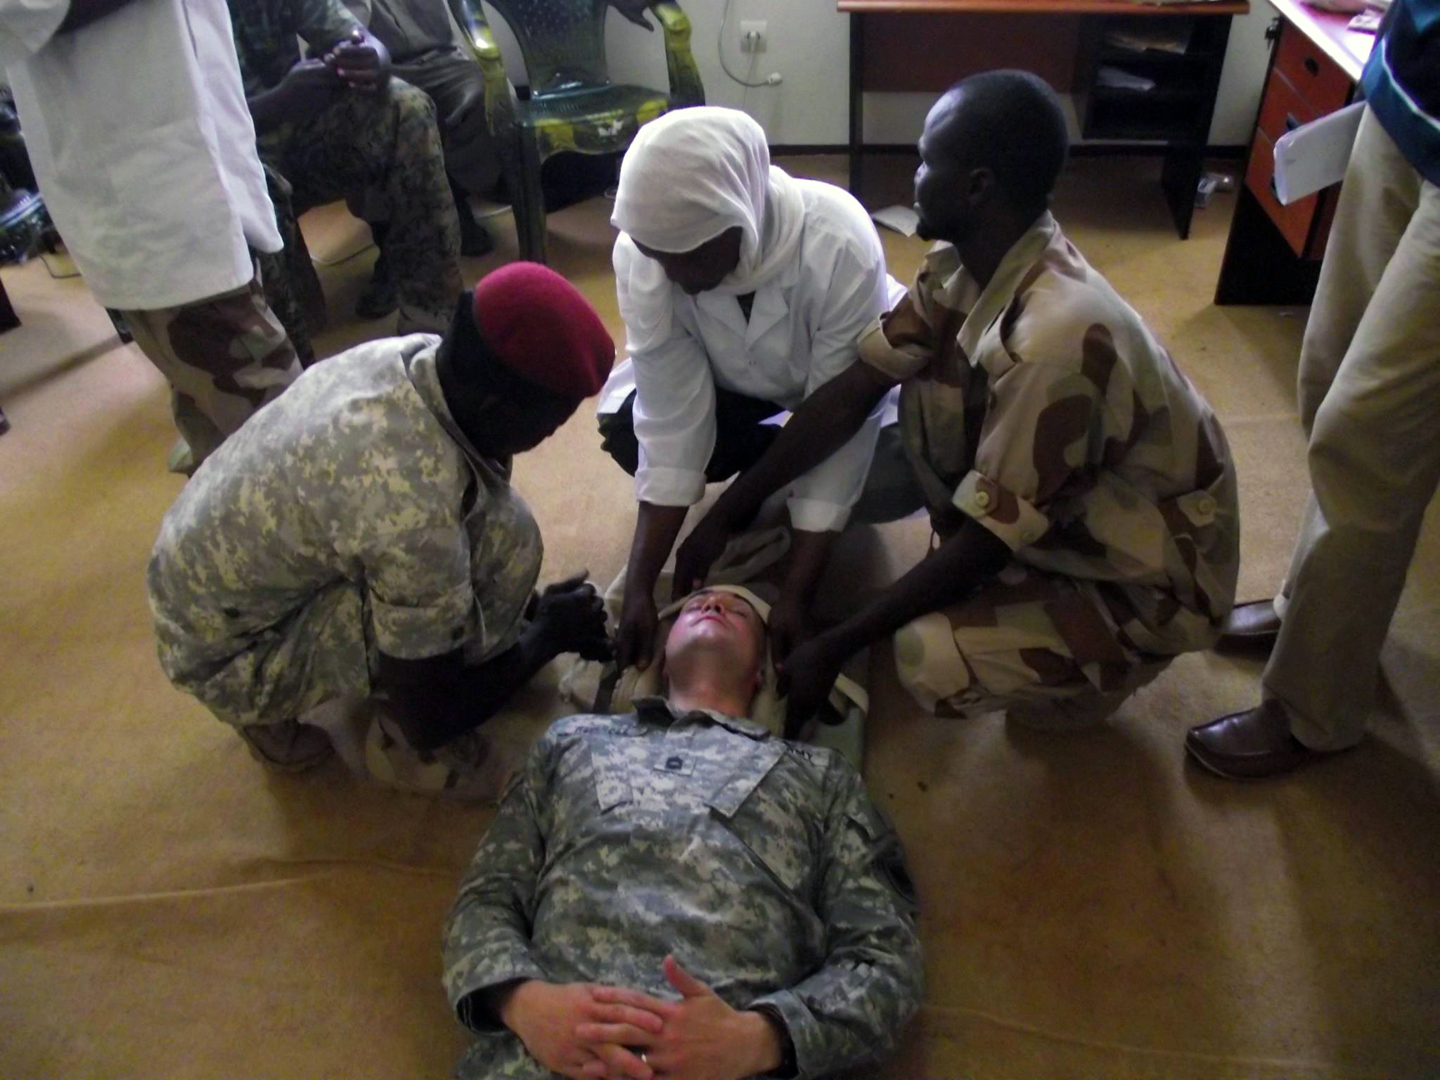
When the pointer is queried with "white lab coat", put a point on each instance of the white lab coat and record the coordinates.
(142, 143)
(802, 332)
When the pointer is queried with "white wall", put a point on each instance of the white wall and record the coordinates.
(1246, 58)
(809, 45)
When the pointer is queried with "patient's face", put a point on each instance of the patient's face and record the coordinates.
(723, 624)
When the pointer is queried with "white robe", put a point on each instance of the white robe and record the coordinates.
(143, 146)
(810, 255)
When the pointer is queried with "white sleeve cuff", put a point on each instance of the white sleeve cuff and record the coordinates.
(812, 515)
(669, 487)
(32, 25)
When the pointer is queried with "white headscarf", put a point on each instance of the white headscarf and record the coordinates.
(688, 177)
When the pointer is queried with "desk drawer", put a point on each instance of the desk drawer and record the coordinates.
(1282, 109)
(1317, 78)
(1293, 221)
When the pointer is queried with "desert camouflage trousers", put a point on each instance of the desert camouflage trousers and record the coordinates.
(1030, 643)
(388, 148)
(224, 357)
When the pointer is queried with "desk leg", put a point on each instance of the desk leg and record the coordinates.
(1259, 267)
(1185, 161)
(8, 319)
(857, 102)
(1179, 178)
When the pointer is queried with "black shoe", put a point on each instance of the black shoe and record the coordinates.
(1252, 626)
(475, 239)
(379, 297)
(1250, 745)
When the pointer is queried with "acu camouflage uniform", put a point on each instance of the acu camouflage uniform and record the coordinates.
(761, 864)
(348, 517)
(1043, 408)
(385, 147)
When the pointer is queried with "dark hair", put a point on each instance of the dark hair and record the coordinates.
(1011, 122)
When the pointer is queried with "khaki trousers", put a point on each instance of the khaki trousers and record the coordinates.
(1369, 394)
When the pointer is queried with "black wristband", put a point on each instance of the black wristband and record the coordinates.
(787, 1068)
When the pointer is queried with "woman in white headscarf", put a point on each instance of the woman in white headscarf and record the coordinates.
(743, 290)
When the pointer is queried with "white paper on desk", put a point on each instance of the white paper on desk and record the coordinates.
(902, 219)
(1314, 155)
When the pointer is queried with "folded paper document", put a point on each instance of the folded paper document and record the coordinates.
(1314, 155)
(902, 219)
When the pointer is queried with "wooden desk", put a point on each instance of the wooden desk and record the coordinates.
(1274, 252)
(1062, 41)
(1330, 31)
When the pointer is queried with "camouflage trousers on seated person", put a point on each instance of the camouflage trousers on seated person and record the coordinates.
(292, 287)
(387, 146)
(1032, 644)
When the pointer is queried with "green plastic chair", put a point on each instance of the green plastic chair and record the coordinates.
(573, 105)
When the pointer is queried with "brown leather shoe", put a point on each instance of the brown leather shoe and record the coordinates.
(289, 746)
(1250, 627)
(1249, 745)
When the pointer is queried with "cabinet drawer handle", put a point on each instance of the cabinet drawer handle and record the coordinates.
(1312, 66)
(1291, 122)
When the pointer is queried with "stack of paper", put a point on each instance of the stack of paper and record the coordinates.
(1159, 39)
(1315, 155)
(1116, 79)
(901, 219)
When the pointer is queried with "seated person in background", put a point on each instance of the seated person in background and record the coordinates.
(339, 124)
(679, 893)
(136, 127)
(364, 539)
(1081, 486)
(424, 52)
(743, 292)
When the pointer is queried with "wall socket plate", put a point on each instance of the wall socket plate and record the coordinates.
(752, 35)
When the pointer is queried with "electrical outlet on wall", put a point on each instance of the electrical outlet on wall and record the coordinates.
(752, 35)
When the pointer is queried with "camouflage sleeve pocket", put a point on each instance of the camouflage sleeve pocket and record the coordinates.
(887, 856)
(1014, 520)
(409, 632)
(763, 820)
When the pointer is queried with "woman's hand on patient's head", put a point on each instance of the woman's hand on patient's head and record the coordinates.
(694, 558)
(806, 678)
(639, 627)
(790, 627)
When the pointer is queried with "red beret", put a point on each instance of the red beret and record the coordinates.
(539, 326)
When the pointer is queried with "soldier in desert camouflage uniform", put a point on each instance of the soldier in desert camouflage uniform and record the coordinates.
(1080, 487)
(363, 537)
(136, 129)
(339, 125)
(677, 892)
